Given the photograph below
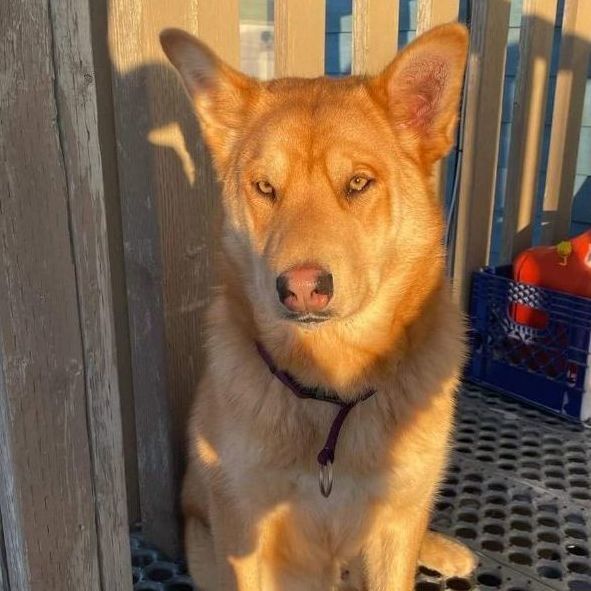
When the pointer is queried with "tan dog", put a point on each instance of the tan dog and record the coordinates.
(333, 262)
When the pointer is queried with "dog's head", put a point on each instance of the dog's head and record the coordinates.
(327, 183)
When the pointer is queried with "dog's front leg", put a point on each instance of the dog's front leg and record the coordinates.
(236, 548)
(392, 550)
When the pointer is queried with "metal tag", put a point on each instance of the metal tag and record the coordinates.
(325, 479)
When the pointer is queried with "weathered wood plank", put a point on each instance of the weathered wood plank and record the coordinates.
(4, 582)
(436, 12)
(375, 34)
(79, 139)
(431, 13)
(528, 125)
(222, 34)
(108, 147)
(482, 124)
(566, 119)
(12, 539)
(300, 38)
(46, 489)
(169, 204)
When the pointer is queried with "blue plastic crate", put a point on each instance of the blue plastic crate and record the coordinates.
(547, 366)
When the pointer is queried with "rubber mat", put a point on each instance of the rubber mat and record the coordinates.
(517, 492)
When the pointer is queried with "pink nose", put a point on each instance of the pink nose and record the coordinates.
(305, 289)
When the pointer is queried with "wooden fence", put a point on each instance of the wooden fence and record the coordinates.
(108, 209)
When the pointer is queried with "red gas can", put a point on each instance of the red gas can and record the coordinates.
(565, 267)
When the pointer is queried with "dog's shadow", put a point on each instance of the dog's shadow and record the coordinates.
(163, 209)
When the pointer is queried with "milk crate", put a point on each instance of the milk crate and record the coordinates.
(548, 364)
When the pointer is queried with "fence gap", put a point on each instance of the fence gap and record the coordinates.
(527, 128)
(482, 119)
(566, 120)
(431, 13)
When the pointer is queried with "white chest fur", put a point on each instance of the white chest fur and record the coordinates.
(268, 489)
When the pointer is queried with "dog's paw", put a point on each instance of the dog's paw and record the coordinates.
(446, 556)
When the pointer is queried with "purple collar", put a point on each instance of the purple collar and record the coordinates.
(327, 453)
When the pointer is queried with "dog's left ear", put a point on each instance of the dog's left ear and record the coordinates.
(220, 94)
(421, 90)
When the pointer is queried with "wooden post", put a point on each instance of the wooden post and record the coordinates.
(375, 34)
(482, 124)
(169, 206)
(431, 13)
(299, 37)
(62, 491)
(4, 583)
(104, 95)
(528, 125)
(436, 12)
(566, 119)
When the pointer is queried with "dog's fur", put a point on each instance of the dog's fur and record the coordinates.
(255, 518)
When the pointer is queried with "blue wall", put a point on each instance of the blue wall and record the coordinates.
(338, 62)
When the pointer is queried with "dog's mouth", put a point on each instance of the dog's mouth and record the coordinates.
(307, 317)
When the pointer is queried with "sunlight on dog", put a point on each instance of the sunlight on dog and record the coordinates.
(332, 287)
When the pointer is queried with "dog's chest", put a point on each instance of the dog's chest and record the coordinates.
(291, 501)
(262, 487)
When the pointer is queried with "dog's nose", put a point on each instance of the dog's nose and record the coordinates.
(305, 289)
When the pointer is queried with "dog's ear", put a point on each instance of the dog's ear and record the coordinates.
(421, 90)
(220, 94)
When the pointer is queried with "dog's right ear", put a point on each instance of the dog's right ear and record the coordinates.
(219, 93)
(421, 90)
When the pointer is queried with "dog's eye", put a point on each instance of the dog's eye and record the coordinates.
(265, 188)
(358, 184)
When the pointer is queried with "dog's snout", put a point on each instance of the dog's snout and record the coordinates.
(305, 289)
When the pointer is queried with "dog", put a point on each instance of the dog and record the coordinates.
(321, 427)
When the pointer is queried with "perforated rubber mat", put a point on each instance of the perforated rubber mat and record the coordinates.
(517, 492)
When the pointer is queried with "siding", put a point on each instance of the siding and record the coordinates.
(581, 212)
